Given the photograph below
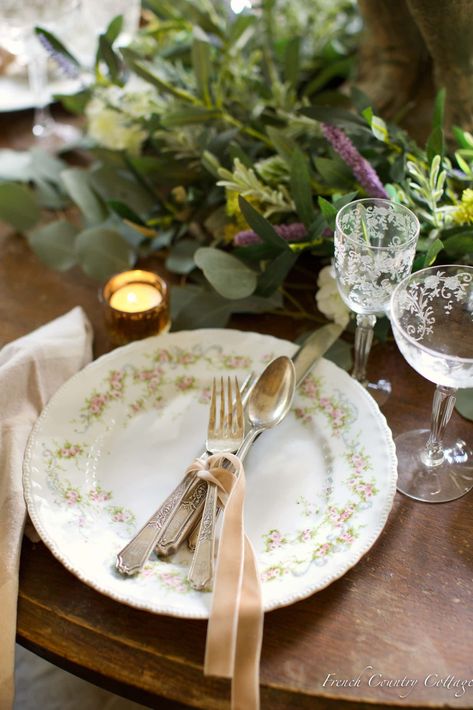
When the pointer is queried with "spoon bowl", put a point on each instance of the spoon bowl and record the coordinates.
(270, 399)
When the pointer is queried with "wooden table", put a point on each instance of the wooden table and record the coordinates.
(405, 611)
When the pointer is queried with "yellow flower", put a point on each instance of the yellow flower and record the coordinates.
(464, 212)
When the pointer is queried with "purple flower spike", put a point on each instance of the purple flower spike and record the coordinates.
(294, 232)
(362, 170)
(67, 67)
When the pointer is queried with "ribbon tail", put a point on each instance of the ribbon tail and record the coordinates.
(245, 685)
(222, 627)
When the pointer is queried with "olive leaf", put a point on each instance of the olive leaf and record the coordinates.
(227, 274)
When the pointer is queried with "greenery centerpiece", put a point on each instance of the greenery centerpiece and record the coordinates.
(226, 143)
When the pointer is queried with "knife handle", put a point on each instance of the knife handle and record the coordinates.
(134, 555)
(183, 518)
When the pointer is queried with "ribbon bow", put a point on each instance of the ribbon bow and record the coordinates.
(235, 628)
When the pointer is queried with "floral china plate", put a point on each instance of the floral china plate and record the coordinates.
(117, 437)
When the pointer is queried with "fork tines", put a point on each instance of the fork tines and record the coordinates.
(230, 417)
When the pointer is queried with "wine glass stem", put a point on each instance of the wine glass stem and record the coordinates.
(38, 78)
(442, 408)
(363, 341)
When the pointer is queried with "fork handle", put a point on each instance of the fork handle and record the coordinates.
(134, 555)
(201, 571)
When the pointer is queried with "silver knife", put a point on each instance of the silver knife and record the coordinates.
(185, 519)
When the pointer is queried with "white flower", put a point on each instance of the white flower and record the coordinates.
(329, 301)
(112, 129)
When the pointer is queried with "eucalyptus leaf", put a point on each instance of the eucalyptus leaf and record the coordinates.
(330, 114)
(15, 165)
(46, 166)
(206, 310)
(181, 257)
(79, 186)
(228, 275)
(121, 186)
(275, 273)
(464, 403)
(54, 244)
(49, 196)
(18, 206)
(103, 252)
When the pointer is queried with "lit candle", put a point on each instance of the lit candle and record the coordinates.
(135, 297)
(136, 305)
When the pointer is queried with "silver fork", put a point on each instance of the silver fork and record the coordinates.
(224, 436)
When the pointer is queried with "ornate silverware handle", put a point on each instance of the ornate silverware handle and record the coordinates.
(201, 571)
(184, 515)
(133, 556)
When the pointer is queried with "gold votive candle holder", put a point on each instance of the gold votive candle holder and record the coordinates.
(136, 306)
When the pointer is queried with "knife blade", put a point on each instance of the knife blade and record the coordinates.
(185, 520)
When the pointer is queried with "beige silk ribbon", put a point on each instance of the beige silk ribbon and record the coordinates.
(235, 628)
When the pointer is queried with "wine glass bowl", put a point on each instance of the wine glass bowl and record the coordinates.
(375, 246)
(432, 322)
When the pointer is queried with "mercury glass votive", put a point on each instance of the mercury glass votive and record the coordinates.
(136, 305)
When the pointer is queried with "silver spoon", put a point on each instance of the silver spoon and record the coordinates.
(270, 400)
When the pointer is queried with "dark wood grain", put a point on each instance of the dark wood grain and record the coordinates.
(406, 609)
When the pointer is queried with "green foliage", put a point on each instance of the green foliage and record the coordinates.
(18, 206)
(227, 274)
(209, 125)
(464, 403)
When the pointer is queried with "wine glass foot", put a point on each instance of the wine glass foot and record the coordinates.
(55, 135)
(448, 480)
(380, 391)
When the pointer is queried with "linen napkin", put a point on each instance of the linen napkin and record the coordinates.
(31, 370)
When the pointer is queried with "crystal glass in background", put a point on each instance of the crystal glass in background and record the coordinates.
(375, 245)
(18, 19)
(97, 16)
(432, 321)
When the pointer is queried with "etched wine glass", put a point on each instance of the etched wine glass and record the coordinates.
(375, 245)
(18, 19)
(432, 321)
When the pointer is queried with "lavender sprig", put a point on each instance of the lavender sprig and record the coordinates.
(294, 232)
(67, 67)
(362, 170)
